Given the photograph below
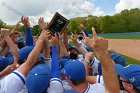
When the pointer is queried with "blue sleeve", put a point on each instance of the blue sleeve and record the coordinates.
(29, 37)
(86, 32)
(55, 72)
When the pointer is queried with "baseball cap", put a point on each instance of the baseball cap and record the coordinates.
(21, 39)
(9, 57)
(24, 52)
(38, 78)
(3, 62)
(74, 70)
(131, 73)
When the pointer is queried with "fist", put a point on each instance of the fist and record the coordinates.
(81, 26)
(5, 32)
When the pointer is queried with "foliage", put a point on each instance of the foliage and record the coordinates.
(126, 21)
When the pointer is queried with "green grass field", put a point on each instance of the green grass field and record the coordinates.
(123, 37)
(130, 60)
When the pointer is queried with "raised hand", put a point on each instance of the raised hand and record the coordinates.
(44, 35)
(41, 23)
(74, 36)
(99, 44)
(60, 36)
(82, 26)
(25, 21)
(5, 32)
(54, 40)
(10, 68)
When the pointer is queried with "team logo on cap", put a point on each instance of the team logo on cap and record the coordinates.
(132, 80)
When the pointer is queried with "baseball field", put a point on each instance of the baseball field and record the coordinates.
(128, 47)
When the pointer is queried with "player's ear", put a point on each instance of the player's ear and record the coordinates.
(130, 86)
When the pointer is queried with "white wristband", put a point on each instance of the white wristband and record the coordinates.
(87, 61)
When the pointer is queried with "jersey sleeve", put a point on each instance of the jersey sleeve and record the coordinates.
(55, 86)
(13, 83)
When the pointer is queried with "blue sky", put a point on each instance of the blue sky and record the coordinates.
(108, 6)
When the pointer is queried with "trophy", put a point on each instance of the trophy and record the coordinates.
(57, 24)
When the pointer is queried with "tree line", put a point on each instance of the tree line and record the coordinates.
(126, 21)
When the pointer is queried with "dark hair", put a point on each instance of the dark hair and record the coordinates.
(77, 82)
(21, 45)
(20, 61)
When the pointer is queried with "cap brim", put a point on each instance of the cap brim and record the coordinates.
(63, 71)
(119, 70)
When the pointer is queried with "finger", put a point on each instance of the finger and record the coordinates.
(94, 32)
(75, 32)
(71, 33)
(48, 32)
(55, 35)
(42, 19)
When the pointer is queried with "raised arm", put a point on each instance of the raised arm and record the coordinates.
(55, 72)
(46, 50)
(55, 82)
(84, 29)
(3, 48)
(32, 58)
(16, 27)
(63, 49)
(78, 46)
(29, 37)
(10, 44)
(65, 38)
(100, 46)
(86, 62)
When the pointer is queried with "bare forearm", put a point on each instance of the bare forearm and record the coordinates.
(34, 53)
(65, 40)
(63, 49)
(32, 59)
(4, 51)
(11, 46)
(46, 53)
(77, 44)
(2, 74)
(109, 73)
(2, 44)
(86, 64)
(82, 50)
(46, 50)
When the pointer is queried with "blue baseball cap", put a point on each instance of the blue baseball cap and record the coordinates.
(24, 52)
(21, 39)
(38, 78)
(131, 73)
(74, 70)
(9, 57)
(3, 62)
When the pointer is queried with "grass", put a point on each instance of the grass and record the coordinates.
(130, 60)
(123, 37)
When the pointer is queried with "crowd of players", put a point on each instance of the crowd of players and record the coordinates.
(50, 64)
